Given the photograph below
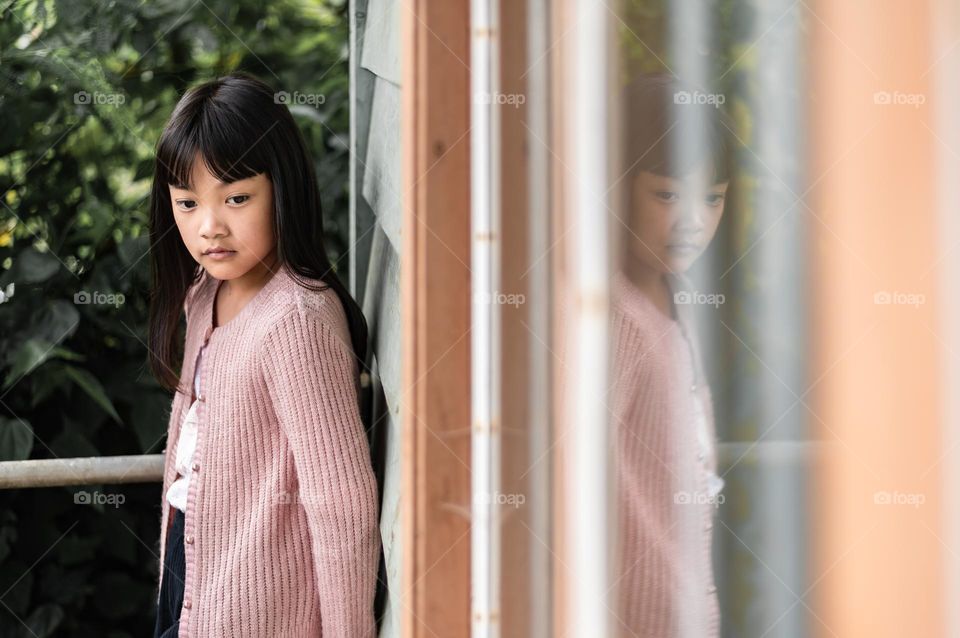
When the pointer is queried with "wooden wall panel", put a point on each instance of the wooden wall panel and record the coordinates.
(435, 300)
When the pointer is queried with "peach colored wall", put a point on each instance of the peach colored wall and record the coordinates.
(877, 567)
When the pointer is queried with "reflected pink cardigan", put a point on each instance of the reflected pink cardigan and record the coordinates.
(664, 573)
(281, 533)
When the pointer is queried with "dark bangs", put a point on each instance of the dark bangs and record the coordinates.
(205, 124)
(673, 129)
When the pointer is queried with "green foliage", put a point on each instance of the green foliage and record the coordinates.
(86, 89)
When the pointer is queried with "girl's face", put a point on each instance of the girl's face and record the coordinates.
(235, 216)
(673, 219)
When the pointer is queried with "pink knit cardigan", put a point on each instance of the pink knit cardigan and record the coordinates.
(281, 534)
(664, 575)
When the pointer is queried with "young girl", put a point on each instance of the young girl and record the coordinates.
(676, 151)
(269, 523)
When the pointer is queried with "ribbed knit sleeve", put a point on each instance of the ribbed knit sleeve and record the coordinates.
(310, 374)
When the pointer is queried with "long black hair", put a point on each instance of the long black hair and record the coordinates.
(240, 129)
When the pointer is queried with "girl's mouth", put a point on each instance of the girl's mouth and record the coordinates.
(220, 254)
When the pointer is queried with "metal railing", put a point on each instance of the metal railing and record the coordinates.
(92, 470)
(148, 468)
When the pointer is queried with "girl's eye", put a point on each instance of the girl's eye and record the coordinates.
(236, 200)
(186, 204)
(667, 196)
(715, 199)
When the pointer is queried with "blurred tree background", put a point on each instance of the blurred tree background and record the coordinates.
(85, 88)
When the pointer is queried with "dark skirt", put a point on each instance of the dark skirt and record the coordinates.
(171, 589)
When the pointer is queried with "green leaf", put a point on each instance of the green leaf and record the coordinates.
(133, 249)
(45, 619)
(76, 550)
(46, 381)
(35, 267)
(92, 387)
(64, 353)
(8, 534)
(16, 578)
(149, 413)
(59, 584)
(25, 359)
(57, 321)
(71, 444)
(16, 439)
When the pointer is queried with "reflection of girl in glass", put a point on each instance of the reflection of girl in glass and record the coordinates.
(677, 170)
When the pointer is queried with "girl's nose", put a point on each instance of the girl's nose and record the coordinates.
(210, 226)
(691, 217)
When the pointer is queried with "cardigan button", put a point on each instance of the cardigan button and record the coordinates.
(196, 467)
(187, 604)
(202, 397)
(189, 539)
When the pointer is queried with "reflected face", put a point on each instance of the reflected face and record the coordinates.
(236, 217)
(673, 219)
